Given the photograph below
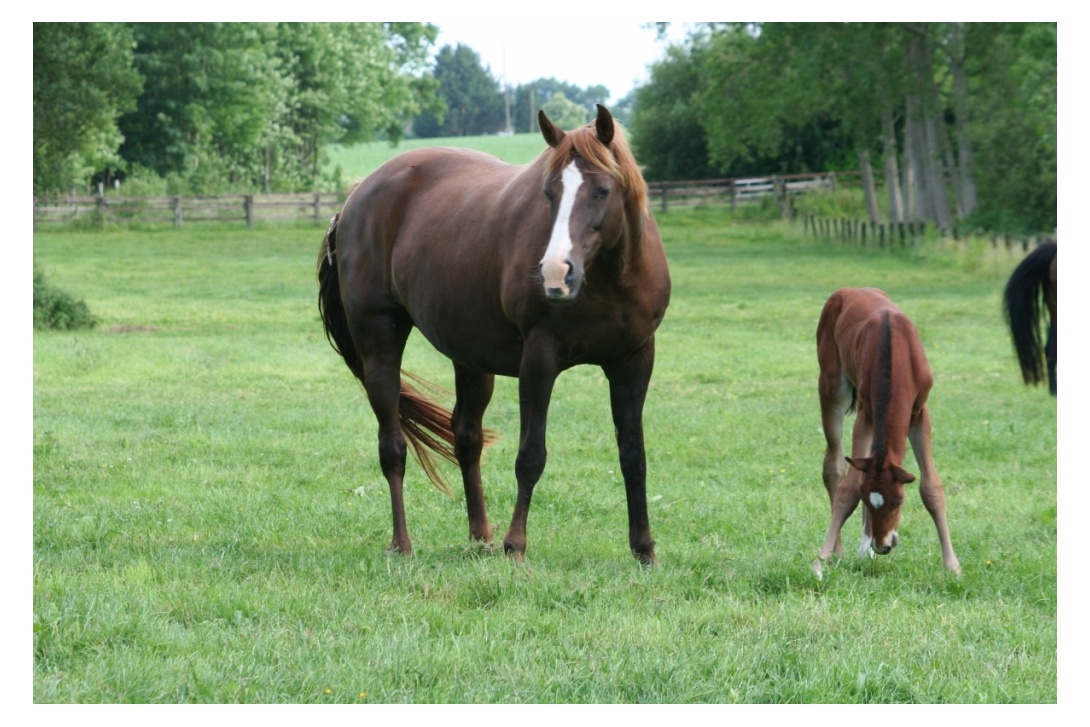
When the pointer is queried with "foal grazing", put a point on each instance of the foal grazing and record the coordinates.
(872, 361)
(519, 271)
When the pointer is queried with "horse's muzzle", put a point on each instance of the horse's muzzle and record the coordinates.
(561, 288)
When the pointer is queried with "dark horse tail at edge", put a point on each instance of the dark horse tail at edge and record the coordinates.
(426, 424)
(1030, 291)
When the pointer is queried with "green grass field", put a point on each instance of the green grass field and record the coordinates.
(209, 516)
(359, 160)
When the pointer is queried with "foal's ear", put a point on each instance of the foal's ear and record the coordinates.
(903, 476)
(604, 125)
(860, 463)
(553, 134)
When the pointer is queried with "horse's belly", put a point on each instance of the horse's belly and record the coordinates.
(470, 342)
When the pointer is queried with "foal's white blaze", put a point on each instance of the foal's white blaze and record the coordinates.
(554, 265)
(876, 500)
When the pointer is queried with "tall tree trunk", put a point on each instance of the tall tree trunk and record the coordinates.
(916, 200)
(966, 180)
(868, 184)
(892, 173)
(927, 115)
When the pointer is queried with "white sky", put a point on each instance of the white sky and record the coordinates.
(614, 54)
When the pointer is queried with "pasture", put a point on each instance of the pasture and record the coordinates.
(210, 518)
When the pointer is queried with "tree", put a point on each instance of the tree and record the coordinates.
(253, 105)
(564, 113)
(530, 98)
(83, 81)
(668, 135)
(474, 103)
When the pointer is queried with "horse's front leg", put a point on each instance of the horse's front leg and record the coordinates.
(931, 489)
(473, 391)
(628, 382)
(537, 375)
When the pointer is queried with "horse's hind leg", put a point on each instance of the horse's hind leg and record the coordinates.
(474, 391)
(931, 489)
(380, 340)
(628, 382)
(1050, 355)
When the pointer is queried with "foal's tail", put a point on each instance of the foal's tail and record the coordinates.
(1023, 307)
(425, 423)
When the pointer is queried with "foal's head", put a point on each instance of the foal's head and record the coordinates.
(883, 494)
(596, 195)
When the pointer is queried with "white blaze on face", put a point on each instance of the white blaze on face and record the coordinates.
(554, 265)
(876, 500)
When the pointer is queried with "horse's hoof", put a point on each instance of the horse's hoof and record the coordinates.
(515, 553)
(817, 568)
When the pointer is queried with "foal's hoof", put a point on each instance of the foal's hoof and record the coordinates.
(514, 552)
(817, 567)
(405, 549)
(647, 559)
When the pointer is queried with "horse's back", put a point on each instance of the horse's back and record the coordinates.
(851, 328)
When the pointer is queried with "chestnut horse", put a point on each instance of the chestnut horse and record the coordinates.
(872, 362)
(521, 271)
(1030, 291)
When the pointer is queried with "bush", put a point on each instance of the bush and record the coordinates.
(56, 309)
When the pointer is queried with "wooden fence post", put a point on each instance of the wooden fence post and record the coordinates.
(248, 205)
(317, 209)
(665, 192)
(176, 205)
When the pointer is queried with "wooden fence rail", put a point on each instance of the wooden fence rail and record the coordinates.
(250, 208)
(178, 210)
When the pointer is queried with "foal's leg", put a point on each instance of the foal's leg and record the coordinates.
(846, 496)
(835, 395)
(931, 489)
(380, 340)
(628, 382)
(474, 391)
(537, 376)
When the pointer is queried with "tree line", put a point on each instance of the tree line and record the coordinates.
(200, 108)
(960, 117)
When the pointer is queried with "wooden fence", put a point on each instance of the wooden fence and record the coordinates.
(736, 191)
(250, 208)
(898, 234)
(179, 210)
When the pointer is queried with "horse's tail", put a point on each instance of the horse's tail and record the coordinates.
(1022, 309)
(425, 423)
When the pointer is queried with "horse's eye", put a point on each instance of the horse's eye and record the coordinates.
(549, 194)
(601, 193)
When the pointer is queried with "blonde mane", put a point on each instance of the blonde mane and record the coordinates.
(616, 159)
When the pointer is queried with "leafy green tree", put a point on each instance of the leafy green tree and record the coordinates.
(564, 113)
(668, 135)
(474, 102)
(529, 98)
(253, 105)
(83, 81)
(1012, 71)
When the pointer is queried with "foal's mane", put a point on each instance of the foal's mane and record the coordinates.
(615, 159)
(882, 389)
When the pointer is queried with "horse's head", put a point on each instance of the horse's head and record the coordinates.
(883, 494)
(591, 182)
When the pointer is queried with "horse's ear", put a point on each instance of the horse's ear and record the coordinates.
(859, 463)
(903, 476)
(604, 125)
(553, 134)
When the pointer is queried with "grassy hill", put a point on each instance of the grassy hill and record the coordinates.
(356, 162)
